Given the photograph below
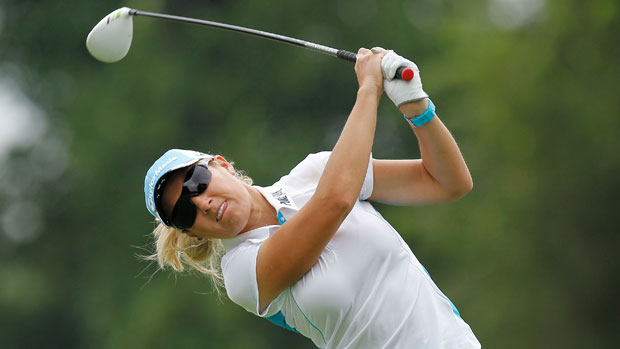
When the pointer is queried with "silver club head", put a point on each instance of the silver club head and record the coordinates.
(110, 39)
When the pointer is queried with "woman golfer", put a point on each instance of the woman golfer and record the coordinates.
(309, 252)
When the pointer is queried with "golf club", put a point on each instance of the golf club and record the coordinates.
(110, 39)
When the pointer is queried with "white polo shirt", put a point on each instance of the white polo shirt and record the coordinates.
(367, 289)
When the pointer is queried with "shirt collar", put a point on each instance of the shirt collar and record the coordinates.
(278, 198)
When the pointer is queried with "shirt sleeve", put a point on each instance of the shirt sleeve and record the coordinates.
(307, 173)
(239, 270)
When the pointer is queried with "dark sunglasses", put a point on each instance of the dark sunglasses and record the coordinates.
(196, 181)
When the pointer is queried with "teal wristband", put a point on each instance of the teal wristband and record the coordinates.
(427, 116)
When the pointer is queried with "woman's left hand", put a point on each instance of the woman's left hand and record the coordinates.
(368, 69)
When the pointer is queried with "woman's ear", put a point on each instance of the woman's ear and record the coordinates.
(221, 161)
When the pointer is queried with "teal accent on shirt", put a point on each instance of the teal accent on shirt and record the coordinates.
(281, 218)
(454, 310)
(278, 318)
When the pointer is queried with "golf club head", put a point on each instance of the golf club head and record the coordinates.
(110, 39)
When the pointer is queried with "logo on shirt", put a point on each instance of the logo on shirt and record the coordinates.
(282, 198)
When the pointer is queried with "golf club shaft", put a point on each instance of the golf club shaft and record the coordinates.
(342, 54)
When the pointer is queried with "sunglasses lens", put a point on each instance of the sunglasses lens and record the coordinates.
(189, 174)
(184, 213)
(196, 181)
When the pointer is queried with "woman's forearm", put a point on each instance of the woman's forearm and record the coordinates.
(345, 171)
(441, 155)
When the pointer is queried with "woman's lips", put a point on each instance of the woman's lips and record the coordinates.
(220, 212)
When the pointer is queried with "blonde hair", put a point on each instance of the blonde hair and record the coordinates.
(176, 249)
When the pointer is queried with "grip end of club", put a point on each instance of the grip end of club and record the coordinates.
(405, 74)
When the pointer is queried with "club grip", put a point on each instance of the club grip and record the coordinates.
(347, 55)
(402, 73)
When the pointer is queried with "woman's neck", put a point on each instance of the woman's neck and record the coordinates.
(262, 213)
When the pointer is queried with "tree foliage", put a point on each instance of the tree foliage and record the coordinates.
(528, 88)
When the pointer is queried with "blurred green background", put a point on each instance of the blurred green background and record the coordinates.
(529, 88)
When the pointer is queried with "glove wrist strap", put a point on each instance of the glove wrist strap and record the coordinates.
(423, 119)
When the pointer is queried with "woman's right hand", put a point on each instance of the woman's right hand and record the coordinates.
(368, 70)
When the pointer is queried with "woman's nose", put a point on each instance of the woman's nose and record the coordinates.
(202, 201)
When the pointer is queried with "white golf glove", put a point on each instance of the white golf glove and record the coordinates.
(400, 91)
